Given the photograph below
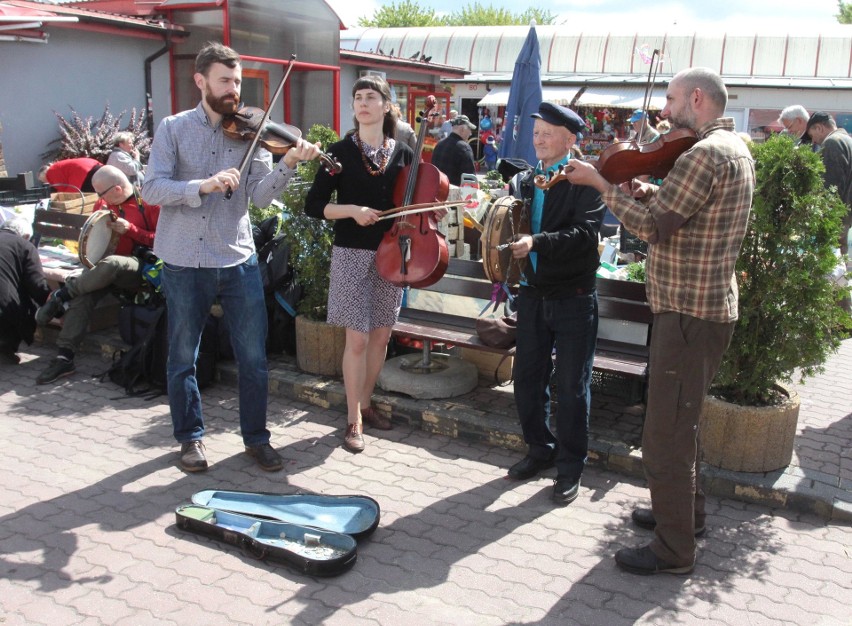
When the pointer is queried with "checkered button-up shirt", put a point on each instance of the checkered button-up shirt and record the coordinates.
(695, 222)
(205, 230)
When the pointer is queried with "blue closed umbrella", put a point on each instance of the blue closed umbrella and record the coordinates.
(524, 100)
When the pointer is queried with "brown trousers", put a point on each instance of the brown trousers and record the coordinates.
(685, 355)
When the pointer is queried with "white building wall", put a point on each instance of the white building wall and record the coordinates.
(39, 79)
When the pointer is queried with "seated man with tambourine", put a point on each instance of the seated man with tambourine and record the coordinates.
(135, 222)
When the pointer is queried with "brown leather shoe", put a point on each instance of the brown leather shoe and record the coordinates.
(192, 457)
(354, 440)
(371, 417)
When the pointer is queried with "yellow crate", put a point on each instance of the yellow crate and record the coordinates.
(72, 202)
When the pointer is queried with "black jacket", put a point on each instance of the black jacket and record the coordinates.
(567, 245)
(22, 286)
(454, 156)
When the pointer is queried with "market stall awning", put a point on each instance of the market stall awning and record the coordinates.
(499, 96)
(621, 97)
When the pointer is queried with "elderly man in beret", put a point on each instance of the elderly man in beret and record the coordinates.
(557, 307)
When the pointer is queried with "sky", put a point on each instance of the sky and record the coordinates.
(780, 16)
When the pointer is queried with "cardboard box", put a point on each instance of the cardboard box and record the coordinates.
(487, 363)
(73, 202)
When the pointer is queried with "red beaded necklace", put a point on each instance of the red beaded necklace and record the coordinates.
(382, 152)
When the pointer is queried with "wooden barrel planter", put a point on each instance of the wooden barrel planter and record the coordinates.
(319, 347)
(749, 438)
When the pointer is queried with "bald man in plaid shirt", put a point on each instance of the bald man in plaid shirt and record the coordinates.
(695, 222)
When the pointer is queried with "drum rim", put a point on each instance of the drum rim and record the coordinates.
(82, 242)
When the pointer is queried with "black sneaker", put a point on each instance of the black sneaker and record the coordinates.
(58, 368)
(192, 457)
(9, 358)
(266, 456)
(644, 562)
(54, 307)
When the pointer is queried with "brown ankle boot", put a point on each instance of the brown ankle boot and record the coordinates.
(374, 419)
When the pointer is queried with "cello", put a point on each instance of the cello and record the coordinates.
(413, 252)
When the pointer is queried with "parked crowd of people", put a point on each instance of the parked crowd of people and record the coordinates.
(199, 226)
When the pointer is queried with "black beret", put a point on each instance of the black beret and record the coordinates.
(560, 116)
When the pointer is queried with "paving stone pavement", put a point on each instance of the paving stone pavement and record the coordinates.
(90, 485)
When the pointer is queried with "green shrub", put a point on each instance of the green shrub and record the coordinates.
(310, 239)
(789, 321)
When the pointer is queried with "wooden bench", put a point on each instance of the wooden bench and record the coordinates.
(67, 226)
(465, 279)
(623, 337)
(58, 225)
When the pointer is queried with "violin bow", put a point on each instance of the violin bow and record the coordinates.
(411, 209)
(250, 151)
(648, 86)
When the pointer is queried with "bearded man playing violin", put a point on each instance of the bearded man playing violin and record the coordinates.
(557, 306)
(205, 241)
(695, 222)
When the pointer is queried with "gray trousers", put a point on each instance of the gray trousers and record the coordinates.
(685, 355)
(88, 288)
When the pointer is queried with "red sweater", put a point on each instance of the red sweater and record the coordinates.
(142, 227)
(76, 172)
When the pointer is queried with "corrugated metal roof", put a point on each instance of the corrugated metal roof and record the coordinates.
(564, 50)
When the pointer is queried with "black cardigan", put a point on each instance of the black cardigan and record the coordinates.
(355, 185)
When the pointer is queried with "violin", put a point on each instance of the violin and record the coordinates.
(413, 252)
(626, 160)
(277, 138)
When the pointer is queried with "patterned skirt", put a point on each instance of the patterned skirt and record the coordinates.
(358, 298)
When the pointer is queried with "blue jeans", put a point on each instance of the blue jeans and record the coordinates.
(190, 292)
(571, 326)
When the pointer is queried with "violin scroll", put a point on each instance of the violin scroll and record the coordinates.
(542, 182)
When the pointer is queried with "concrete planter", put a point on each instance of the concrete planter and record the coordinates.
(319, 347)
(748, 438)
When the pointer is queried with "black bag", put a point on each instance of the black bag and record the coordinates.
(282, 294)
(141, 369)
(133, 369)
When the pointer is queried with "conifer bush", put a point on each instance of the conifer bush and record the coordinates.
(789, 317)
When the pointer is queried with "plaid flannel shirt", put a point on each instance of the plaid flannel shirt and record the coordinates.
(695, 223)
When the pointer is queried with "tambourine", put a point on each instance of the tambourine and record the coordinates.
(505, 222)
(97, 239)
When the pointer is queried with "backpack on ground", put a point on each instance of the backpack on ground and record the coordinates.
(141, 369)
(282, 294)
(142, 327)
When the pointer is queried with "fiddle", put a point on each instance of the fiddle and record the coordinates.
(626, 160)
(414, 252)
(277, 138)
(623, 161)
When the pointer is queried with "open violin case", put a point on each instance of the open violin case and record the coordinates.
(314, 534)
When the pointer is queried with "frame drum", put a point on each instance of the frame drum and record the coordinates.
(506, 221)
(97, 239)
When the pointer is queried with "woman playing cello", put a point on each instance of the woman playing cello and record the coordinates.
(358, 298)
